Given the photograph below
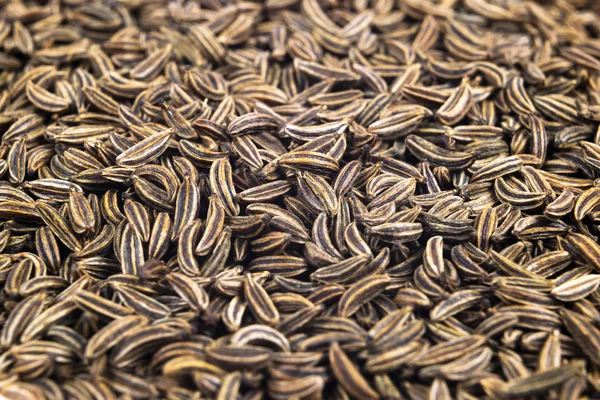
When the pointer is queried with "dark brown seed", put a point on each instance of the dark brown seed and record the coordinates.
(259, 302)
(299, 199)
(348, 375)
(360, 293)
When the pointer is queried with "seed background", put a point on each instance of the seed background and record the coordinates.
(299, 199)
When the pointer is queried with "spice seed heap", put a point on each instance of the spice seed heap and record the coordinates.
(299, 199)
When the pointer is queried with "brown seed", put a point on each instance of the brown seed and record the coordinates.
(457, 105)
(221, 183)
(259, 302)
(146, 150)
(361, 292)
(208, 200)
(348, 375)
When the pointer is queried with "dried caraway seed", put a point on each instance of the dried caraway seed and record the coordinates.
(299, 199)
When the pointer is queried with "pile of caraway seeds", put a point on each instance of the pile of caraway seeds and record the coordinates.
(299, 199)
